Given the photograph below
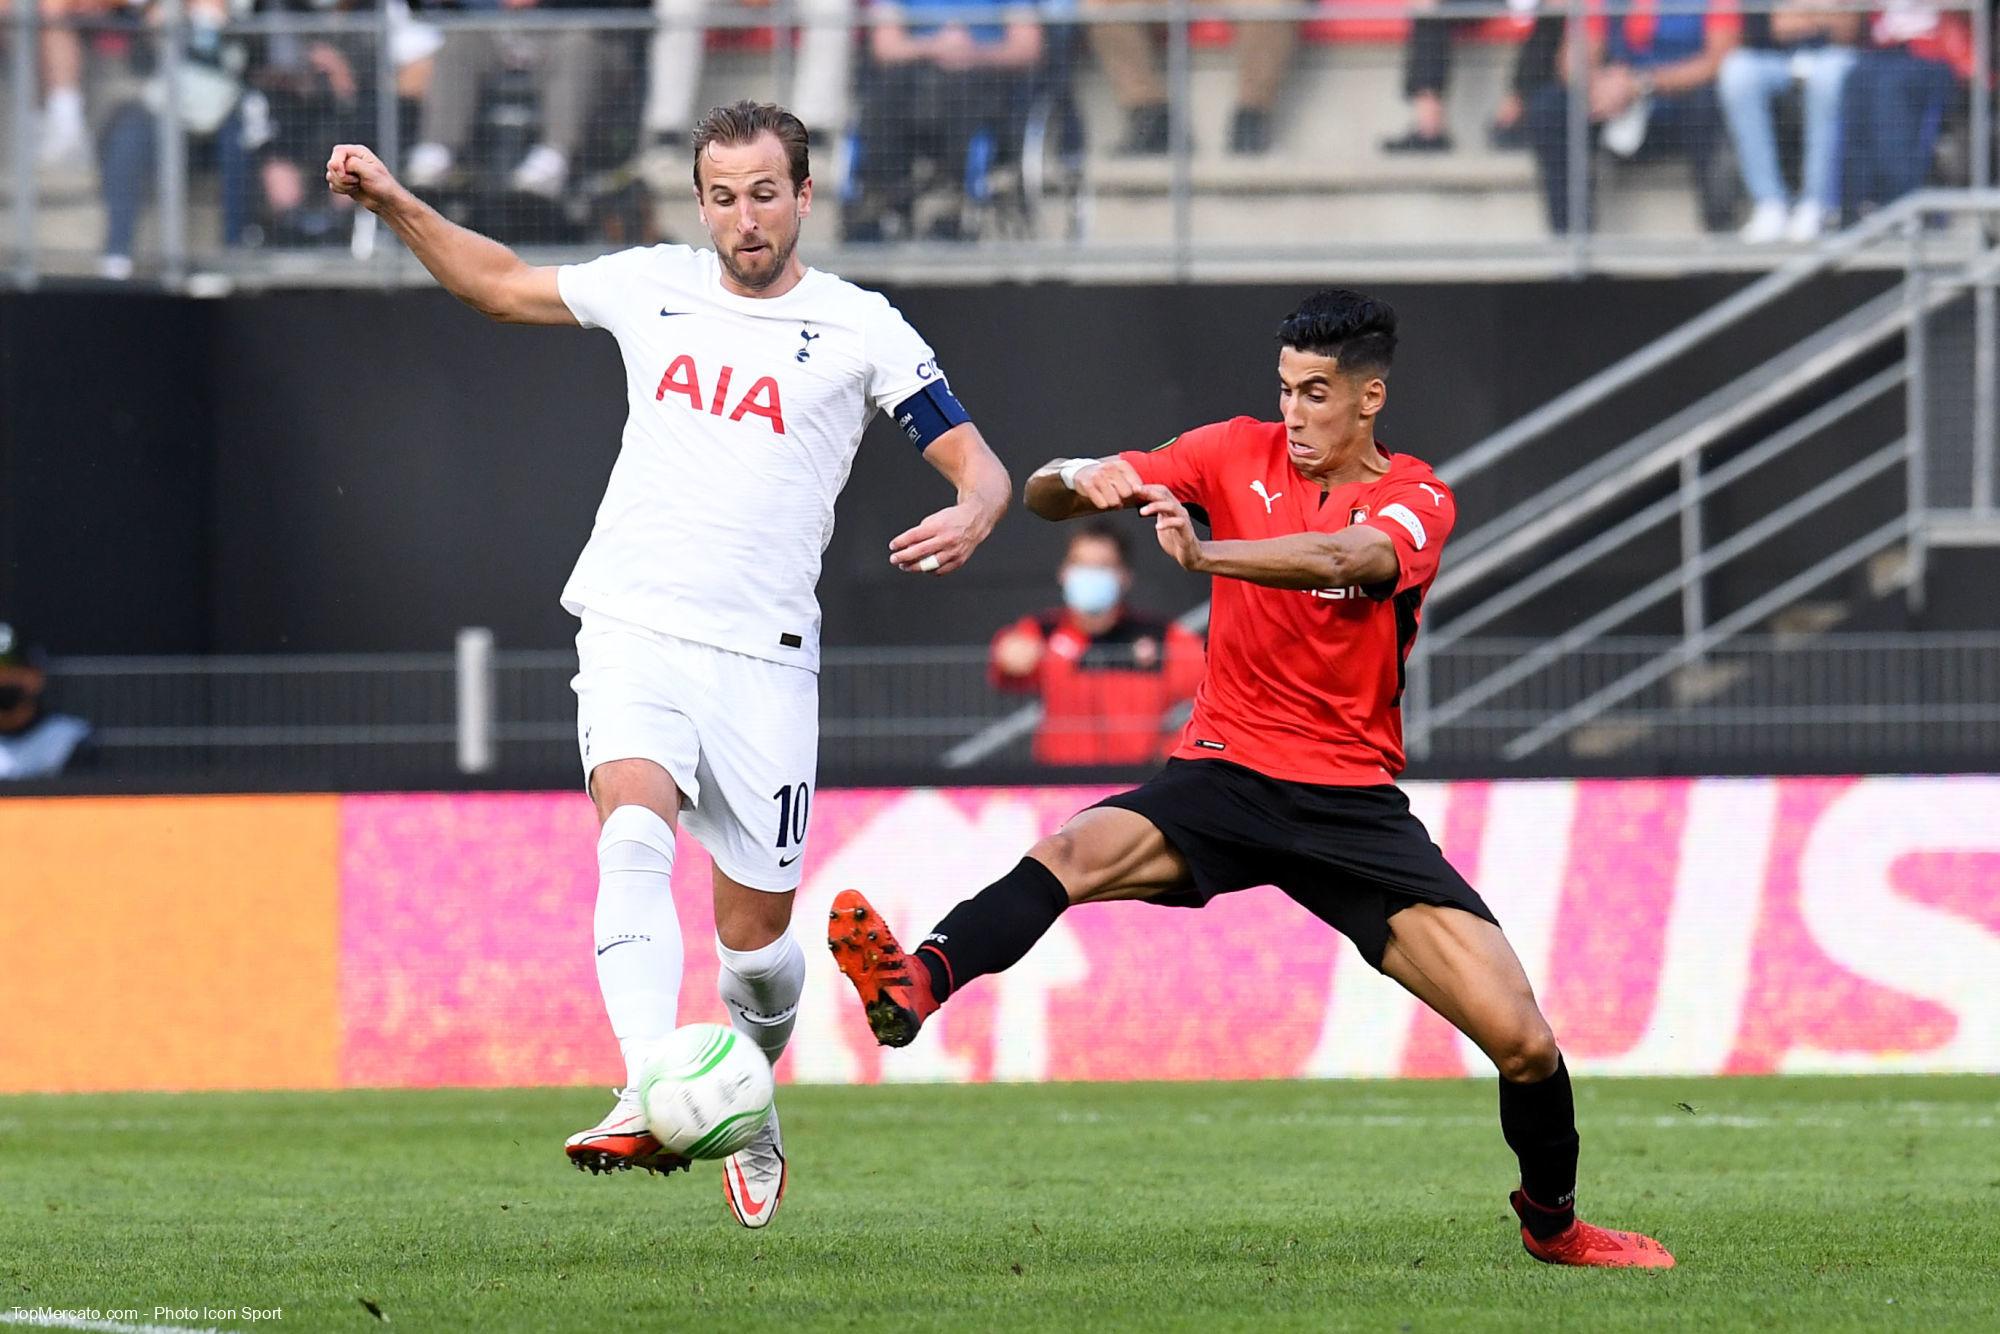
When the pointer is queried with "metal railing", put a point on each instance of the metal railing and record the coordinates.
(1766, 701)
(1516, 545)
(222, 116)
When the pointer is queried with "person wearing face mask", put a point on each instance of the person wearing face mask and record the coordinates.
(1109, 677)
(33, 743)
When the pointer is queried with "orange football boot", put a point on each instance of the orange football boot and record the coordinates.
(895, 987)
(1586, 1244)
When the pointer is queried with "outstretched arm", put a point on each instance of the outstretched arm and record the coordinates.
(479, 271)
(1356, 557)
(952, 534)
(1066, 488)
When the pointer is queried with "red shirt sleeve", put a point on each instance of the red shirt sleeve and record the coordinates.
(1001, 680)
(1183, 464)
(1417, 516)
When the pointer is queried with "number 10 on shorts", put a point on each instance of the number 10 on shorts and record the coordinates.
(794, 804)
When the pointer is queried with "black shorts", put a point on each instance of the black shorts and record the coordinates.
(1351, 856)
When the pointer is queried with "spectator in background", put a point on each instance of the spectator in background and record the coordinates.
(1796, 43)
(1109, 678)
(309, 90)
(208, 109)
(673, 79)
(63, 135)
(1651, 89)
(934, 82)
(1125, 50)
(34, 743)
(1903, 85)
(1427, 65)
(569, 66)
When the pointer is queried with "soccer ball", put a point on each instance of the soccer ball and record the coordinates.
(706, 1090)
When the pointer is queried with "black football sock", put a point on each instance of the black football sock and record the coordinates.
(989, 932)
(1539, 1122)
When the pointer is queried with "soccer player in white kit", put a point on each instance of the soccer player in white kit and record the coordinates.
(749, 379)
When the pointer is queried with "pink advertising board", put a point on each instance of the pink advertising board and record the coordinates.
(1705, 926)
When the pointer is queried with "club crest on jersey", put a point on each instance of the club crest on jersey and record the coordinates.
(1359, 514)
(683, 379)
(805, 350)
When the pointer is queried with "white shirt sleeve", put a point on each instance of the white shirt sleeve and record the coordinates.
(900, 362)
(596, 291)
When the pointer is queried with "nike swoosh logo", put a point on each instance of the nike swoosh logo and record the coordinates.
(748, 1205)
(671, 313)
(787, 861)
(616, 943)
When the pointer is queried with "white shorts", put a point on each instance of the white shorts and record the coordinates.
(738, 735)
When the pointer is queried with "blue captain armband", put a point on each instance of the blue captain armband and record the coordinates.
(929, 413)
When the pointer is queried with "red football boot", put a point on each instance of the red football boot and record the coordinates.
(621, 1142)
(1584, 1243)
(895, 987)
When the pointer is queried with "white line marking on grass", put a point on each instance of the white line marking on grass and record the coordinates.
(50, 1319)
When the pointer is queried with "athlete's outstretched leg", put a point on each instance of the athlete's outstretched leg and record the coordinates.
(638, 944)
(1461, 966)
(1103, 853)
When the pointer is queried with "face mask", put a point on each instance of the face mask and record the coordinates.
(1090, 590)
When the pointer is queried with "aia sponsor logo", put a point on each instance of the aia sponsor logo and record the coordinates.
(762, 399)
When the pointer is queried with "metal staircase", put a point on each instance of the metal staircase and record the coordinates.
(1936, 330)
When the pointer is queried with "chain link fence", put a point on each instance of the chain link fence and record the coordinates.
(184, 140)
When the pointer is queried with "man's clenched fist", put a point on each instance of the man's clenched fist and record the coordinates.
(1109, 484)
(354, 171)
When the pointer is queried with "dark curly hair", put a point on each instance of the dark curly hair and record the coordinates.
(1358, 332)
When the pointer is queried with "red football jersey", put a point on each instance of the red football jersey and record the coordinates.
(1304, 685)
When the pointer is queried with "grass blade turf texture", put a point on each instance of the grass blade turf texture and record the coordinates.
(1822, 1204)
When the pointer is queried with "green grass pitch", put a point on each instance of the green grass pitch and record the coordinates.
(1821, 1204)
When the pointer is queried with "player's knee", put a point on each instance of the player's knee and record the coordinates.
(1060, 853)
(750, 919)
(1528, 1054)
(634, 783)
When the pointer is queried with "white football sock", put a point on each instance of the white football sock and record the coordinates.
(638, 935)
(760, 989)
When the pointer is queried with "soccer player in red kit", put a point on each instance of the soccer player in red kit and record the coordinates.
(1324, 545)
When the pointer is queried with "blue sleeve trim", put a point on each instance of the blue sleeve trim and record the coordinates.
(929, 413)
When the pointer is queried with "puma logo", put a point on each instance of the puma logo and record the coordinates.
(1437, 496)
(1263, 495)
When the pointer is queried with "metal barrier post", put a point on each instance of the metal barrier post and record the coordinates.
(388, 137)
(1985, 309)
(475, 700)
(1916, 407)
(27, 41)
(1577, 137)
(1694, 609)
(1417, 701)
(1180, 137)
(172, 141)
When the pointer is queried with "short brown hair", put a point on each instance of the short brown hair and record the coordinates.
(742, 123)
(1102, 530)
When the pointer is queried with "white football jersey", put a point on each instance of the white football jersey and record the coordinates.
(743, 415)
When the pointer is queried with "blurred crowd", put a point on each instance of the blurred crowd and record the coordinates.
(1789, 120)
